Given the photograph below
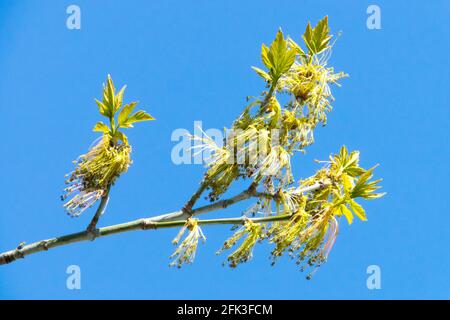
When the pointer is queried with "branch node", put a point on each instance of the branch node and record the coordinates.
(18, 254)
(93, 234)
(251, 190)
(44, 244)
(226, 203)
(21, 245)
(187, 209)
(147, 225)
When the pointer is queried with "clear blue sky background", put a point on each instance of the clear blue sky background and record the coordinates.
(190, 60)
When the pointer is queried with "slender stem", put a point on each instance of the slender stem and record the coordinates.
(188, 206)
(100, 210)
(174, 219)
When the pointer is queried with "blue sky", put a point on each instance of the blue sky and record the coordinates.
(187, 61)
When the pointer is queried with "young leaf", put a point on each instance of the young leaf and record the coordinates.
(119, 99)
(125, 113)
(343, 153)
(347, 183)
(354, 171)
(104, 110)
(278, 58)
(358, 210)
(347, 213)
(109, 96)
(101, 127)
(296, 47)
(265, 57)
(366, 189)
(317, 39)
(110, 89)
(139, 116)
(281, 57)
(262, 73)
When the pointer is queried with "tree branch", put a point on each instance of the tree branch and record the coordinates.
(174, 219)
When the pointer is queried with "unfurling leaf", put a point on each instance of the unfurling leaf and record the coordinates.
(281, 57)
(317, 39)
(118, 100)
(101, 127)
(347, 213)
(265, 57)
(366, 189)
(125, 113)
(296, 47)
(139, 116)
(104, 111)
(358, 210)
(347, 183)
(278, 58)
(262, 73)
(109, 95)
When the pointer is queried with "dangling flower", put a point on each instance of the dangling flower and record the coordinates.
(211, 152)
(314, 243)
(185, 253)
(94, 172)
(283, 234)
(245, 251)
(273, 164)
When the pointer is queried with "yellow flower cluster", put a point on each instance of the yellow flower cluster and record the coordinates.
(94, 172)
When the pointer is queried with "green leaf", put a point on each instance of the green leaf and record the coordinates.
(277, 49)
(317, 39)
(110, 89)
(262, 73)
(343, 153)
(287, 62)
(281, 57)
(109, 95)
(265, 57)
(347, 183)
(125, 113)
(347, 213)
(358, 210)
(353, 159)
(354, 171)
(363, 188)
(119, 99)
(296, 47)
(104, 110)
(139, 116)
(101, 127)
(278, 58)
